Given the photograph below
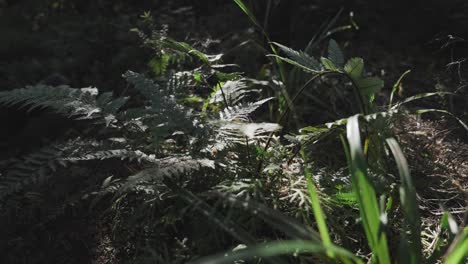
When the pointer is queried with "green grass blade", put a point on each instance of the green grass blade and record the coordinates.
(396, 85)
(459, 250)
(248, 12)
(447, 225)
(463, 124)
(365, 194)
(409, 202)
(277, 248)
(318, 212)
(417, 97)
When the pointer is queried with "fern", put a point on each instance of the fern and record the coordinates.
(121, 154)
(241, 112)
(240, 132)
(172, 167)
(34, 168)
(79, 104)
(152, 179)
(235, 126)
(233, 92)
(62, 99)
(161, 113)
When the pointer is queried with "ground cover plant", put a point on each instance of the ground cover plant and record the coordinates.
(197, 161)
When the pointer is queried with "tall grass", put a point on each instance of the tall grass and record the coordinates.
(373, 216)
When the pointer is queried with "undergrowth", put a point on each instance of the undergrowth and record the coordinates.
(195, 158)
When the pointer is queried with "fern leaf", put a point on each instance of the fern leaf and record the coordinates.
(78, 103)
(109, 105)
(148, 88)
(172, 167)
(114, 153)
(234, 92)
(249, 130)
(241, 112)
(16, 174)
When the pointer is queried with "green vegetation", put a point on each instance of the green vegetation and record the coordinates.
(197, 162)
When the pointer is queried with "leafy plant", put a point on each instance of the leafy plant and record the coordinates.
(184, 164)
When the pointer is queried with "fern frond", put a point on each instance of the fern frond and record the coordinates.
(161, 112)
(110, 105)
(178, 82)
(241, 112)
(62, 99)
(172, 167)
(147, 87)
(121, 154)
(35, 168)
(234, 92)
(238, 132)
(74, 103)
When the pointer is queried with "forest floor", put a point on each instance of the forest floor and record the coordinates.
(97, 52)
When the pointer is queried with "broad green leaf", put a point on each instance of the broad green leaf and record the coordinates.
(335, 54)
(328, 64)
(409, 203)
(354, 68)
(369, 86)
